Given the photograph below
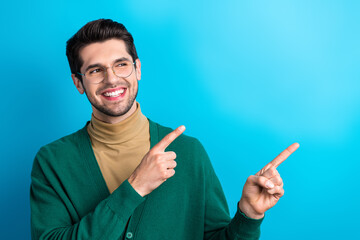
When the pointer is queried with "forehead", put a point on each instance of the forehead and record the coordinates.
(103, 53)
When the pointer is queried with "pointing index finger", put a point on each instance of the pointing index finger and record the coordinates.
(284, 154)
(168, 139)
(280, 158)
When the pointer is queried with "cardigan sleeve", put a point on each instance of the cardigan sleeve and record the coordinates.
(50, 216)
(218, 224)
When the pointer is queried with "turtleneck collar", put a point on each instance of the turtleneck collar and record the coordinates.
(118, 133)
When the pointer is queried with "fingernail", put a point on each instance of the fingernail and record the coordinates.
(269, 184)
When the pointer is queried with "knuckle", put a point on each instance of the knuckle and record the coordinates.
(157, 159)
(270, 191)
(164, 174)
(157, 163)
(172, 164)
(177, 131)
(162, 166)
(171, 155)
(279, 190)
(272, 171)
(167, 138)
(287, 151)
(262, 180)
(285, 154)
(251, 178)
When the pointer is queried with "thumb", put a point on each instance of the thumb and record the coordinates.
(261, 181)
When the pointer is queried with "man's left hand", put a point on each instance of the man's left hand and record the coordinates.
(264, 189)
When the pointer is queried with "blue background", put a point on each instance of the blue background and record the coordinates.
(247, 78)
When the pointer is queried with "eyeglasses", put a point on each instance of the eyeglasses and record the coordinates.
(96, 74)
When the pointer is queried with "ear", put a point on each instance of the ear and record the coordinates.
(138, 69)
(78, 84)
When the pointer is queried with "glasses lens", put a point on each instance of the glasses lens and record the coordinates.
(123, 68)
(95, 75)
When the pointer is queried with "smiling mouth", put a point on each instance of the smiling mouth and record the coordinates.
(116, 93)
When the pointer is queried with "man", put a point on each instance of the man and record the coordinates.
(115, 178)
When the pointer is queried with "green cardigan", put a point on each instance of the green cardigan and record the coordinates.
(70, 200)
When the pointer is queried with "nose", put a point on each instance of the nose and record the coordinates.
(110, 75)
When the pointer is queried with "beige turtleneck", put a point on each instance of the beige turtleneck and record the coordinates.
(119, 148)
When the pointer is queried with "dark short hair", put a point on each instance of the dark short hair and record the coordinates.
(97, 31)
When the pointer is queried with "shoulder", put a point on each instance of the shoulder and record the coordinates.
(65, 143)
(61, 150)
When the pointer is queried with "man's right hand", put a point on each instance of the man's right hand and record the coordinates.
(156, 166)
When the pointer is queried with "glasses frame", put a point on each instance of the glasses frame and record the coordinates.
(112, 68)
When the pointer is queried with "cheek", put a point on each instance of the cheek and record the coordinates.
(135, 86)
(90, 91)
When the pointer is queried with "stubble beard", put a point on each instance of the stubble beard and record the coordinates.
(110, 112)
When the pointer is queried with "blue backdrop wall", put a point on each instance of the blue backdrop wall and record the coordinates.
(247, 78)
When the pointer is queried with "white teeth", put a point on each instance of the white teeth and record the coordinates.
(114, 94)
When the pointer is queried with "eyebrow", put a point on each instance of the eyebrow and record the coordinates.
(99, 65)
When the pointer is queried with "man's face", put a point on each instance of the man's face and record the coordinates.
(114, 97)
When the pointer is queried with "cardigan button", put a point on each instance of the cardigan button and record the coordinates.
(129, 235)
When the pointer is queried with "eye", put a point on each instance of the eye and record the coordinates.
(94, 71)
(121, 64)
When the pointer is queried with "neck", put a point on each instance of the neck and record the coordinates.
(112, 120)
